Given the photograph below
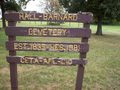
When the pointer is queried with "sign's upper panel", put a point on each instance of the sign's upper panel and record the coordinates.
(85, 17)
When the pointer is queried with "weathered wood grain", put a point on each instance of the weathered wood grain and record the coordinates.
(44, 60)
(47, 32)
(73, 17)
(47, 46)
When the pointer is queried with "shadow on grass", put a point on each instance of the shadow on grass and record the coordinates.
(1, 28)
(106, 35)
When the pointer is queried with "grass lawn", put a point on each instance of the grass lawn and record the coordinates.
(102, 72)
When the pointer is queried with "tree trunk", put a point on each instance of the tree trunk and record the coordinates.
(3, 18)
(99, 26)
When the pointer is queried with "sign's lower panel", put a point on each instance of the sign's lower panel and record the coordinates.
(44, 60)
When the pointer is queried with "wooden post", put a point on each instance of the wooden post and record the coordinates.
(80, 72)
(13, 66)
(79, 77)
(78, 24)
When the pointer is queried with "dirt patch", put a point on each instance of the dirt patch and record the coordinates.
(1, 47)
(51, 85)
(4, 70)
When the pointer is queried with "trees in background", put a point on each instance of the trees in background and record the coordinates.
(52, 6)
(101, 9)
(11, 5)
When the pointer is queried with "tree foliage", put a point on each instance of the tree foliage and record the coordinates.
(52, 6)
(101, 9)
(11, 5)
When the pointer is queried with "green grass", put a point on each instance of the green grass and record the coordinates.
(102, 72)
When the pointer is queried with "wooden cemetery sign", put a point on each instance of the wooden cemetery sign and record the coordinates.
(12, 45)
